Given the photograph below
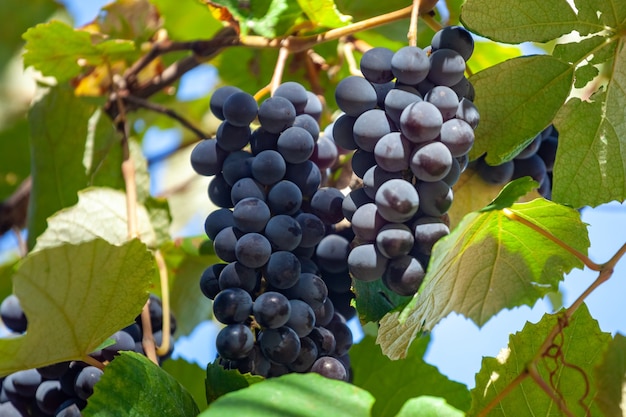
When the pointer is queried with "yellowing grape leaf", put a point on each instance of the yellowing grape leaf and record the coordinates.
(590, 168)
(99, 213)
(489, 263)
(513, 21)
(517, 99)
(132, 386)
(569, 370)
(75, 297)
(56, 49)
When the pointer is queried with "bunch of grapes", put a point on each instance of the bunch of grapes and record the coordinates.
(284, 269)
(62, 389)
(536, 160)
(411, 121)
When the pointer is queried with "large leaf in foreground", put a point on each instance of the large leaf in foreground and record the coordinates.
(591, 160)
(517, 99)
(393, 383)
(220, 381)
(428, 406)
(611, 378)
(190, 376)
(132, 386)
(302, 395)
(568, 369)
(489, 263)
(75, 297)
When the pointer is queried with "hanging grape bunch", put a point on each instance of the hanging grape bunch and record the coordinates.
(275, 233)
(411, 121)
(536, 160)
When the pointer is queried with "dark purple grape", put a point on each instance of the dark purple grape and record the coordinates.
(240, 109)
(376, 65)
(234, 341)
(276, 114)
(282, 270)
(410, 65)
(253, 250)
(281, 345)
(355, 95)
(232, 305)
(207, 157)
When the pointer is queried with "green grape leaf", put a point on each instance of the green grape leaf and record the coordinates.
(137, 20)
(512, 192)
(14, 157)
(486, 264)
(7, 269)
(427, 406)
(190, 376)
(78, 224)
(220, 381)
(610, 378)
(56, 49)
(517, 99)
(585, 74)
(511, 21)
(392, 383)
(185, 266)
(269, 18)
(188, 20)
(574, 52)
(568, 368)
(488, 54)
(57, 148)
(133, 386)
(590, 168)
(374, 300)
(160, 218)
(75, 297)
(103, 153)
(363, 9)
(324, 13)
(304, 395)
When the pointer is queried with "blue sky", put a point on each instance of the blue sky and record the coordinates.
(607, 229)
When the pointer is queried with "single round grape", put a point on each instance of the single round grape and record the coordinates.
(209, 280)
(468, 112)
(217, 221)
(262, 140)
(324, 340)
(253, 250)
(435, 197)
(355, 95)
(397, 100)
(392, 152)
(25, 382)
(306, 176)
(354, 200)
(410, 65)
(236, 275)
(397, 200)
(237, 165)
(381, 92)
(394, 240)
(295, 144)
(446, 67)
(295, 93)
(283, 232)
(308, 123)
(268, 167)
(530, 149)
(245, 188)
(547, 151)
(219, 97)
(343, 134)
(313, 229)
(234, 341)
(404, 275)
(421, 122)
(12, 314)
(240, 109)
(461, 88)
(445, 99)
(284, 198)
(454, 174)
(207, 157)
(326, 204)
(332, 253)
(324, 313)
(308, 354)
(271, 309)
(427, 231)
(343, 335)
(324, 153)
(276, 114)
(251, 215)
(533, 167)
(431, 161)
(219, 192)
(458, 136)
(376, 65)
(281, 345)
(454, 37)
(232, 138)
(366, 263)
(302, 318)
(50, 396)
(370, 127)
(282, 270)
(310, 288)
(499, 174)
(366, 222)
(86, 380)
(375, 177)
(361, 162)
(122, 341)
(313, 106)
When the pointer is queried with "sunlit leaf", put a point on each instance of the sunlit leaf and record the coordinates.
(392, 383)
(187, 20)
(610, 378)
(135, 387)
(428, 406)
(269, 18)
(75, 297)
(324, 13)
(568, 369)
(517, 99)
(486, 264)
(374, 300)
